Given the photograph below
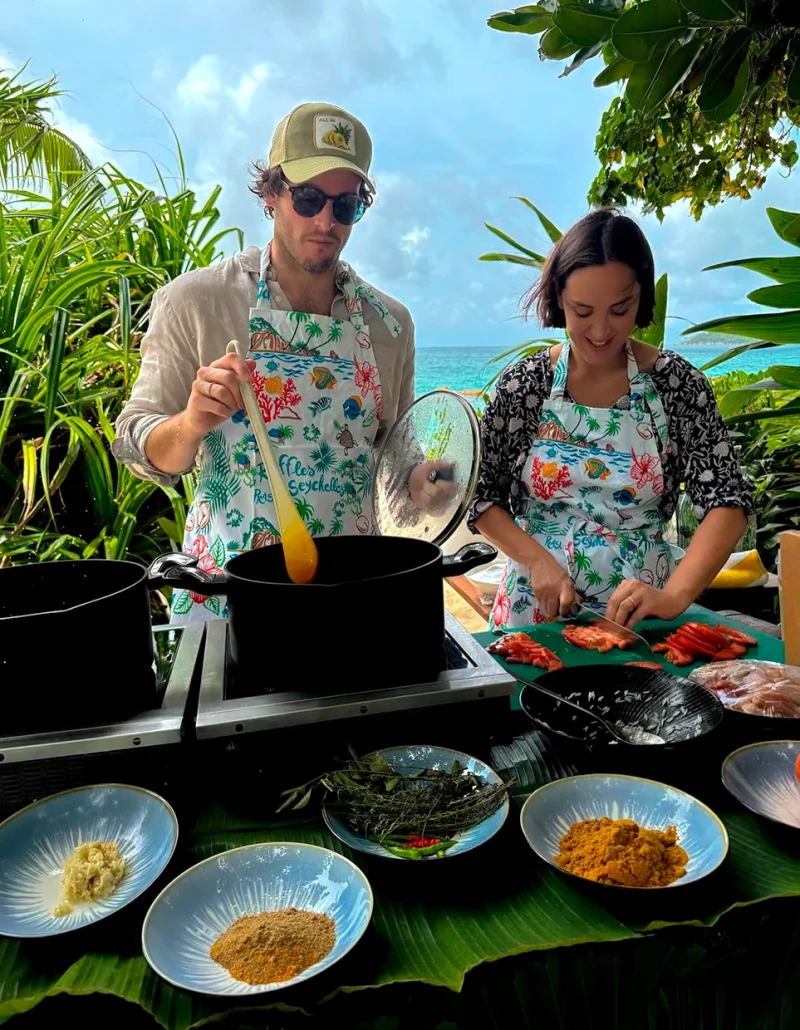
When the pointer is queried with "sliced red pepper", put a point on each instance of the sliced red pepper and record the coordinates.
(739, 650)
(797, 767)
(688, 642)
(645, 665)
(675, 657)
(704, 632)
(725, 655)
(736, 636)
(661, 648)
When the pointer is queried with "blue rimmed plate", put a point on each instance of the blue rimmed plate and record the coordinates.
(414, 758)
(552, 809)
(763, 778)
(200, 904)
(36, 842)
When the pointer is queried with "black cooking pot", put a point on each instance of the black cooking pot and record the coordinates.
(374, 616)
(76, 644)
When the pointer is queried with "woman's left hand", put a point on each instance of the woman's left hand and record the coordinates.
(633, 601)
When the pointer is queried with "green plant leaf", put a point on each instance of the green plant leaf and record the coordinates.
(712, 10)
(793, 83)
(552, 231)
(642, 78)
(786, 295)
(620, 68)
(772, 328)
(513, 243)
(514, 259)
(734, 352)
(786, 224)
(723, 78)
(554, 45)
(58, 338)
(585, 54)
(792, 408)
(787, 376)
(667, 75)
(585, 26)
(728, 107)
(654, 334)
(781, 269)
(531, 19)
(641, 29)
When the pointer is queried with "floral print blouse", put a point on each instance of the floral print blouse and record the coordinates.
(700, 454)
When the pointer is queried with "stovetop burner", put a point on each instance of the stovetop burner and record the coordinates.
(227, 707)
(177, 653)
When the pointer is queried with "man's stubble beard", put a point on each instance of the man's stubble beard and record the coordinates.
(312, 267)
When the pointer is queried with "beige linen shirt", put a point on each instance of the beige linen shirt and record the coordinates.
(191, 321)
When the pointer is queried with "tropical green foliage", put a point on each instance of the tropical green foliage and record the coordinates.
(29, 144)
(711, 89)
(80, 258)
(764, 410)
(783, 325)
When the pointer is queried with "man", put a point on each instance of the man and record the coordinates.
(331, 360)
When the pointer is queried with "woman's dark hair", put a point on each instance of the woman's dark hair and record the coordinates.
(268, 182)
(598, 238)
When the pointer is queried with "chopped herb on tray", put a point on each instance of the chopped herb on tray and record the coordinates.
(412, 815)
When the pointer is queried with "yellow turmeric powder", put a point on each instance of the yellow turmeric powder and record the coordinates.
(619, 851)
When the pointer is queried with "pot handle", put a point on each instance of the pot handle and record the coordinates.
(469, 557)
(176, 569)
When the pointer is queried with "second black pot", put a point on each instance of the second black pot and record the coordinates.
(373, 618)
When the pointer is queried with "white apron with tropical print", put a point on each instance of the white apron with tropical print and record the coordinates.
(593, 486)
(317, 385)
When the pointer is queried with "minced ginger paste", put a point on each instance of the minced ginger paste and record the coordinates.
(92, 872)
(621, 852)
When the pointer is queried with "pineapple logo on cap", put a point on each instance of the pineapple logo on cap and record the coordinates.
(332, 132)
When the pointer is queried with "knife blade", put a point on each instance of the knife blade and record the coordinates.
(586, 615)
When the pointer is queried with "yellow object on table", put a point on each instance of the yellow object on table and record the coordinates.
(743, 569)
(790, 594)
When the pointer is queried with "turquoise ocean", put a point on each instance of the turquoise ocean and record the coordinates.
(469, 368)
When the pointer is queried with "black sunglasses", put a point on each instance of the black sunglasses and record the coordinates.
(309, 201)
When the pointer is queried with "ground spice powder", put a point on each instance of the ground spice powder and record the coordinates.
(621, 852)
(274, 946)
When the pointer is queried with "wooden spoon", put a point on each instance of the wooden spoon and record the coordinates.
(299, 549)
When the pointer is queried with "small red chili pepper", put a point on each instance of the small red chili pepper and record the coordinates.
(422, 842)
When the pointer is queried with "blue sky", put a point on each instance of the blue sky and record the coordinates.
(463, 119)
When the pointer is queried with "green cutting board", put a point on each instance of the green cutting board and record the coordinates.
(768, 649)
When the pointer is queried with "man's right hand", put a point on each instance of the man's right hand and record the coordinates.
(215, 395)
(172, 445)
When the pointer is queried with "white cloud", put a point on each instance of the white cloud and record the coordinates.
(82, 134)
(202, 84)
(248, 85)
(411, 243)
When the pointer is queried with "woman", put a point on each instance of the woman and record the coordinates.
(586, 444)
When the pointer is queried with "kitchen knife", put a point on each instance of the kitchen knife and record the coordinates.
(585, 615)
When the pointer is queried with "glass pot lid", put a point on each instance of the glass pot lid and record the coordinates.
(427, 469)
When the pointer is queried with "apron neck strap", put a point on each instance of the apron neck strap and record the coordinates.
(354, 293)
(644, 396)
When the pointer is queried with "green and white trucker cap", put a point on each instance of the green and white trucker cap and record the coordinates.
(316, 138)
